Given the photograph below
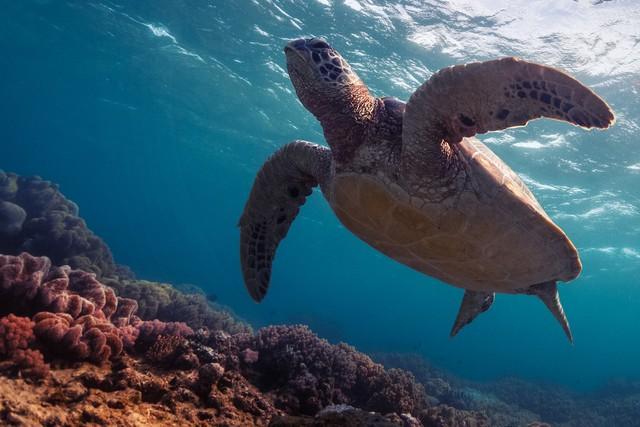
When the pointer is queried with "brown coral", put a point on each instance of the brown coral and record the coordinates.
(166, 349)
(150, 330)
(30, 363)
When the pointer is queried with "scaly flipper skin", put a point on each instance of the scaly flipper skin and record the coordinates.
(473, 303)
(548, 294)
(280, 188)
(465, 100)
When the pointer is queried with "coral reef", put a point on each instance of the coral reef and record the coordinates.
(71, 314)
(446, 416)
(345, 415)
(16, 334)
(616, 404)
(75, 352)
(84, 338)
(307, 373)
(82, 396)
(516, 402)
(553, 403)
(36, 218)
(29, 284)
(150, 330)
(166, 349)
(66, 318)
(164, 302)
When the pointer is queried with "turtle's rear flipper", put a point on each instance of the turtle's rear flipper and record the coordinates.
(548, 294)
(280, 188)
(473, 303)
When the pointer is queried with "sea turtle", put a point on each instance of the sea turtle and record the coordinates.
(411, 181)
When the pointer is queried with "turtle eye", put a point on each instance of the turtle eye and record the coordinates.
(320, 45)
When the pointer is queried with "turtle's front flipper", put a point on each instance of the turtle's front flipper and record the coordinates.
(473, 303)
(280, 188)
(548, 294)
(465, 100)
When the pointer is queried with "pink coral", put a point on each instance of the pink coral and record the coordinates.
(28, 284)
(86, 337)
(129, 335)
(125, 309)
(55, 295)
(21, 276)
(87, 286)
(15, 333)
(249, 356)
(75, 314)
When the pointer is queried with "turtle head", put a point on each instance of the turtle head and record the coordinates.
(323, 80)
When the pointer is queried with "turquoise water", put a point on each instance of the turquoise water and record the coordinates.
(155, 115)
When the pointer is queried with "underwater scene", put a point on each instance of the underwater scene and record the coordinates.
(312, 213)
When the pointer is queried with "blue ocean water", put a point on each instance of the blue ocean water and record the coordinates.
(155, 115)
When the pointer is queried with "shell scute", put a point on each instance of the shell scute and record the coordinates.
(408, 225)
(497, 243)
(376, 203)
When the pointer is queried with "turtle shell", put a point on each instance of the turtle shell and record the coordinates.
(492, 235)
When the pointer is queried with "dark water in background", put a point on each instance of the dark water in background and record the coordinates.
(155, 115)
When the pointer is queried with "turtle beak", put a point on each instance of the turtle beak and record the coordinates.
(295, 46)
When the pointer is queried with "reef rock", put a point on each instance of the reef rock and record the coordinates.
(345, 415)
(446, 416)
